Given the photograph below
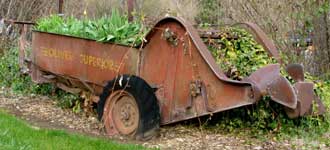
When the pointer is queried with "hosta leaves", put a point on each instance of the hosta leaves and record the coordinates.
(115, 28)
(110, 37)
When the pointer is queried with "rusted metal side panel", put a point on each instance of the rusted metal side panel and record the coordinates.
(158, 68)
(86, 60)
(188, 85)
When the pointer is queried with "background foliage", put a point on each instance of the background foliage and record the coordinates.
(11, 77)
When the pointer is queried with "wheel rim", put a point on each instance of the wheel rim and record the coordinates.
(121, 114)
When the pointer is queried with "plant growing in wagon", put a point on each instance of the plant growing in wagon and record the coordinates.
(114, 28)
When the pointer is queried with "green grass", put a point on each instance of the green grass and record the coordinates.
(18, 135)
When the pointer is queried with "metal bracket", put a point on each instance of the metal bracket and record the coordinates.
(170, 37)
(198, 88)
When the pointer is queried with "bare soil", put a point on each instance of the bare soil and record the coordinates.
(42, 112)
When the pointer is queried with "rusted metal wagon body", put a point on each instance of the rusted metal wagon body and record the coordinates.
(171, 78)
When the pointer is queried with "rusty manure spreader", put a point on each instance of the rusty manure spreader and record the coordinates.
(169, 78)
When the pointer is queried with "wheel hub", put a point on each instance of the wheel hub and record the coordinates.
(122, 114)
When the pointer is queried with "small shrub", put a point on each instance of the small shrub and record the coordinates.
(237, 53)
(11, 77)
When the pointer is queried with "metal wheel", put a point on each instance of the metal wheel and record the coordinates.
(121, 114)
(129, 107)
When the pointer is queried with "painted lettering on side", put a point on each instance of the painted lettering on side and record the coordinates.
(101, 63)
(58, 54)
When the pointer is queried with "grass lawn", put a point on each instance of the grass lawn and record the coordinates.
(16, 134)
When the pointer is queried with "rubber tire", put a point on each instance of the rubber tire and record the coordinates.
(145, 98)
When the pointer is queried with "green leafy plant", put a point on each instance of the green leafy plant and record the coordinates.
(114, 28)
(10, 77)
(237, 53)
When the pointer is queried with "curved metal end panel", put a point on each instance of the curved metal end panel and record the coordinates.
(197, 41)
(264, 76)
(269, 82)
(281, 91)
(296, 71)
(305, 95)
